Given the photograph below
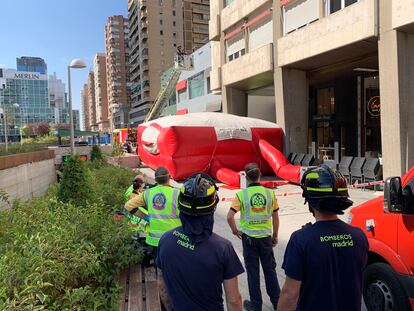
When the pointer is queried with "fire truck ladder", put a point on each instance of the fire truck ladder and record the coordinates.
(181, 62)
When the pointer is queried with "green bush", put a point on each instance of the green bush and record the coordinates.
(111, 183)
(76, 183)
(117, 149)
(59, 256)
(64, 256)
(96, 153)
(13, 149)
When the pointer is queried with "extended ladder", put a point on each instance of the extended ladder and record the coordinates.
(181, 62)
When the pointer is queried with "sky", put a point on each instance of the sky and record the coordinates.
(58, 31)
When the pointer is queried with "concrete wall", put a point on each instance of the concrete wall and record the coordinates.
(402, 13)
(249, 65)
(261, 107)
(357, 22)
(28, 180)
(239, 9)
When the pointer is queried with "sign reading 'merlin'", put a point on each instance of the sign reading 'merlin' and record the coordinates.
(22, 75)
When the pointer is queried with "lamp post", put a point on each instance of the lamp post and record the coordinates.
(76, 64)
(16, 105)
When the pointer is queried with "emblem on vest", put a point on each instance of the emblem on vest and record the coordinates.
(158, 201)
(258, 202)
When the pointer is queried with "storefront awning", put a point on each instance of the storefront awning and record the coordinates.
(65, 132)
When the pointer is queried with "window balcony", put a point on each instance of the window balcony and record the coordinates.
(256, 66)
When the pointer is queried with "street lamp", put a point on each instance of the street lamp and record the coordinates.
(16, 105)
(76, 64)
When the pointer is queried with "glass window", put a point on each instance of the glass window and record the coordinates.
(161, 23)
(196, 86)
(208, 86)
(174, 24)
(161, 32)
(173, 12)
(182, 95)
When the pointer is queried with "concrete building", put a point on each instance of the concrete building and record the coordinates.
(156, 29)
(31, 64)
(101, 93)
(196, 16)
(76, 120)
(337, 73)
(117, 68)
(93, 124)
(85, 108)
(193, 89)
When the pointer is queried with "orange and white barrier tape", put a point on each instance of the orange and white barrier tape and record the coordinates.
(288, 194)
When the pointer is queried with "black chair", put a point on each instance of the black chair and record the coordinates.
(344, 167)
(372, 170)
(331, 164)
(308, 160)
(357, 169)
(291, 156)
(298, 159)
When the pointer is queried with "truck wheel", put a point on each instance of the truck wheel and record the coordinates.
(382, 290)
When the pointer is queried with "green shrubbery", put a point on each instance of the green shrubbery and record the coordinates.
(64, 256)
(96, 154)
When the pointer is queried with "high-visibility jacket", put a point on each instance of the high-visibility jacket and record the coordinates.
(256, 211)
(138, 225)
(161, 202)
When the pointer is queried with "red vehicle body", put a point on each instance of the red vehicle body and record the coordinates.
(389, 275)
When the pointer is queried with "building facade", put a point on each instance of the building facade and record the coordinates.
(31, 64)
(196, 16)
(117, 68)
(85, 108)
(101, 93)
(193, 91)
(337, 73)
(156, 29)
(93, 124)
(25, 98)
(76, 120)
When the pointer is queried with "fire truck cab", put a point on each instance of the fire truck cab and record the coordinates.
(388, 222)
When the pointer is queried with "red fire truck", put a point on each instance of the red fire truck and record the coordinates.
(388, 222)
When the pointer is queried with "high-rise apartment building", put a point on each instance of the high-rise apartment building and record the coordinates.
(56, 92)
(117, 68)
(196, 16)
(31, 64)
(85, 108)
(76, 120)
(156, 29)
(91, 102)
(101, 94)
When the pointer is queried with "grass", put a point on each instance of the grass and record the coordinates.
(14, 149)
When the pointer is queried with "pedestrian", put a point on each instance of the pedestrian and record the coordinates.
(324, 262)
(161, 203)
(259, 225)
(194, 261)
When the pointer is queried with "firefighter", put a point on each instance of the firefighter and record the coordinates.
(324, 262)
(259, 225)
(194, 261)
(138, 225)
(161, 204)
